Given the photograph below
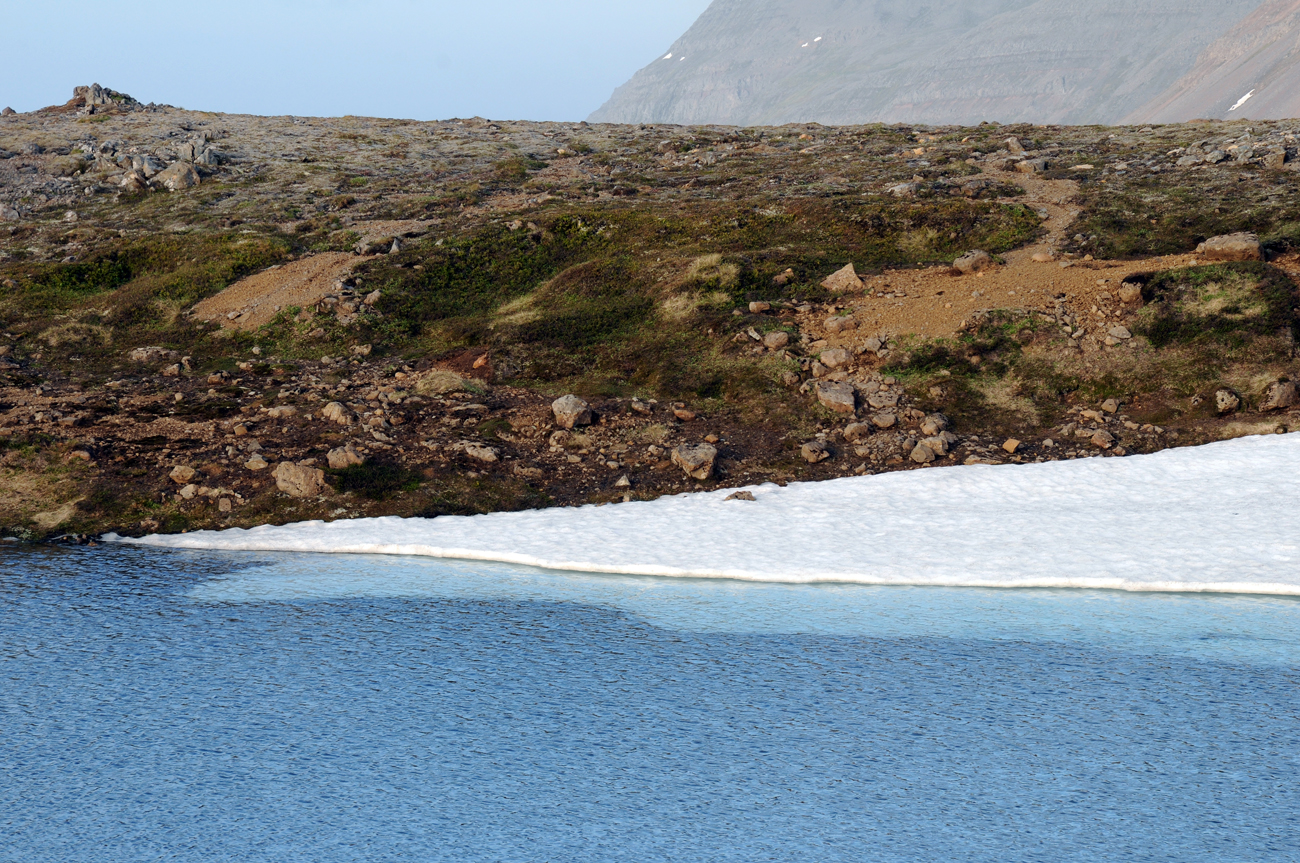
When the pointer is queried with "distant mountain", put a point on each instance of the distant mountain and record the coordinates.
(752, 62)
(1252, 72)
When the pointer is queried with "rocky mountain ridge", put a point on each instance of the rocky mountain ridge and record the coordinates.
(770, 62)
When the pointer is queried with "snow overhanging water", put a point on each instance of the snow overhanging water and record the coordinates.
(1218, 518)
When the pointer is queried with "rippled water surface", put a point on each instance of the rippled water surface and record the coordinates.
(196, 706)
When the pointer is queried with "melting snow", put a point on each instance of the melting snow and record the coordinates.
(1216, 518)
(668, 56)
(1242, 101)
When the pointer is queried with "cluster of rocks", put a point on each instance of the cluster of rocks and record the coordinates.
(1273, 150)
(346, 305)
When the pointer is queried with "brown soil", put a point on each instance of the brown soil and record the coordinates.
(256, 300)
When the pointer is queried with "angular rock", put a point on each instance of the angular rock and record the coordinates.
(839, 396)
(841, 324)
(571, 411)
(1226, 401)
(257, 463)
(922, 454)
(299, 480)
(855, 432)
(884, 420)
(697, 461)
(182, 474)
(1103, 440)
(759, 307)
(835, 358)
(337, 412)
(974, 261)
(1231, 247)
(934, 424)
(742, 495)
(1110, 406)
(1120, 332)
(1011, 446)
(937, 444)
(1280, 396)
(814, 452)
(883, 400)
(1013, 145)
(179, 176)
(1033, 166)
(344, 457)
(845, 279)
(479, 452)
(1130, 293)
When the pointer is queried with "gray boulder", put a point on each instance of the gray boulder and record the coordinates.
(839, 397)
(571, 411)
(697, 461)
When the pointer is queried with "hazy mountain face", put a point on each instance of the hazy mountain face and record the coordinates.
(749, 62)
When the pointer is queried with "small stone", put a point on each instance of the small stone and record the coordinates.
(1110, 406)
(922, 454)
(814, 452)
(1011, 446)
(759, 307)
(1226, 401)
(223, 504)
(1280, 396)
(742, 495)
(1103, 440)
(841, 324)
(257, 463)
(479, 452)
(934, 424)
(298, 480)
(189, 491)
(1013, 145)
(337, 412)
(623, 482)
(641, 407)
(937, 444)
(838, 396)
(872, 345)
(181, 474)
(1231, 247)
(845, 279)
(975, 261)
(684, 414)
(571, 411)
(178, 177)
(774, 341)
(712, 438)
(172, 371)
(697, 461)
(1043, 257)
(884, 420)
(1121, 333)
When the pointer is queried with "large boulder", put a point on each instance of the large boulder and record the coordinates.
(697, 461)
(974, 261)
(179, 176)
(298, 480)
(1231, 247)
(1280, 396)
(571, 411)
(845, 279)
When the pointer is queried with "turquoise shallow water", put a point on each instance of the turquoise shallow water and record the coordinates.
(263, 707)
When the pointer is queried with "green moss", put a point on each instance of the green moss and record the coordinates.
(1224, 304)
(375, 479)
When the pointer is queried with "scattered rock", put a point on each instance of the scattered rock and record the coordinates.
(841, 324)
(344, 457)
(1226, 401)
(1231, 247)
(774, 341)
(697, 461)
(1280, 396)
(1011, 446)
(975, 261)
(283, 411)
(814, 452)
(9, 214)
(742, 495)
(839, 396)
(1043, 257)
(845, 279)
(337, 412)
(783, 279)
(623, 482)
(758, 307)
(182, 474)
(934, 424)
(835, 358)
(922, 454)
(1033, 166)
(1013, 145)
(684, 414)
(1130, 293)
(855, 432)
(1110, 406)
(1120, 332)
(571, 411)
(298, 480)
(179, 176)
(641, 407)
(257, 463)
(479, 452)
(938, 444)
(884, 420)
(1103, 440)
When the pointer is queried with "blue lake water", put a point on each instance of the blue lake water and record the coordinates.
(257, 707)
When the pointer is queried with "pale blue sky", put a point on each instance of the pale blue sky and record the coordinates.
(419, 59)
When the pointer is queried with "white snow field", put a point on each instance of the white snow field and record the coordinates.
(1223, 517)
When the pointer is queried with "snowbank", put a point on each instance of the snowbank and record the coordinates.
(1222, 518)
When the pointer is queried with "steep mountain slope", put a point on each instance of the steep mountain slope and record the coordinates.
(1259, 57)
(834, 61)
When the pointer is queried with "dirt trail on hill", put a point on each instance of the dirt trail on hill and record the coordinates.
(934, 303)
